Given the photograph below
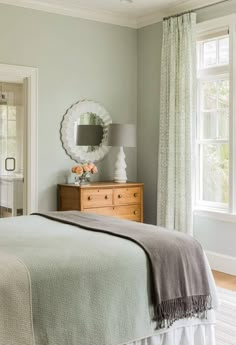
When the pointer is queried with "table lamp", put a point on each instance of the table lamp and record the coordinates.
(121, 135)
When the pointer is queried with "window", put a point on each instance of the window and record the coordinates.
(213, 119)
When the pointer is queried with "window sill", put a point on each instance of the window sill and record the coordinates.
(215, 214)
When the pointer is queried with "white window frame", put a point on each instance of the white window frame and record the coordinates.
(213, 26)
(208, 74)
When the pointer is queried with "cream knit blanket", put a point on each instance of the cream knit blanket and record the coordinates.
(16, 326)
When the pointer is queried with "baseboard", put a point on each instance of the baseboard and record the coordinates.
(222, 263)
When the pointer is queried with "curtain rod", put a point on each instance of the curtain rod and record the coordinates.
(196, 9)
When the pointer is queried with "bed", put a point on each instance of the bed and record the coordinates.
(65, 285)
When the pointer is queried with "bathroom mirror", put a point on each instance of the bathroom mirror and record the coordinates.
(84, 112)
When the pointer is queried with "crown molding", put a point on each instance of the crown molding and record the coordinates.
(76, 11)
(184, 6)
(110, 17)
(150, 19)
(189, 5)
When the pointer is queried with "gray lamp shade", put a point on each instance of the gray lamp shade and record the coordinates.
(89, 135)
(122, 135)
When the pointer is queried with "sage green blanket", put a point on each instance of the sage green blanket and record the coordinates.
(87, 288)
(180, 287)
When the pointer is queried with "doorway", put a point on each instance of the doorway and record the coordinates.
(18, 140)
(12, 123)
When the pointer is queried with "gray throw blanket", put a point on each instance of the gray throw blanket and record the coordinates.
(180, 286)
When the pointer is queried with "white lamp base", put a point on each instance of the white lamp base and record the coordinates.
(120, 167)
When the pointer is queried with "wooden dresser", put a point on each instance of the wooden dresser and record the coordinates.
(123, 200)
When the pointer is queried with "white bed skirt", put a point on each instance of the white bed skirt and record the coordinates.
(191, 335)
(191, 331)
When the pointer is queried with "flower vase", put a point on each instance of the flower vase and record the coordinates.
(82, 172)
(82, 179)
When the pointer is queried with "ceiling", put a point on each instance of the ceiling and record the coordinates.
(137, 14)
(137, 8)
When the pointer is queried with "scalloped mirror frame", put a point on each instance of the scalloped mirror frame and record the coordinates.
(77, 153)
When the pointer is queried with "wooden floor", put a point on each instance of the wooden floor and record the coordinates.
(225, 281)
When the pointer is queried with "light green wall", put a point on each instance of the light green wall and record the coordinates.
(76, 59)
(216, 11)
(215, 235)
(149, 72)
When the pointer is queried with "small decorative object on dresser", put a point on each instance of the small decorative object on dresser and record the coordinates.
(83, 172)
(106, 198)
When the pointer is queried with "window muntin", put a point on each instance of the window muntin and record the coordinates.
(214, 52)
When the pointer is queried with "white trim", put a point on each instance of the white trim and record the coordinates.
(20, 73)
(77, 11)
(232, 124)
(32, 147)
(211, 73)
(150, 19)
(222, 263)
(157, 16)
(212, 34)
(110, 17)
(215, 26)
(216, 23)
(215, 214)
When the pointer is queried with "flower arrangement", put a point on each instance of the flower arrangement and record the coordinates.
(82, 172)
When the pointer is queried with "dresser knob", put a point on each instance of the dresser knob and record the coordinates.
(135, 195)
(135, 212)
(89, 198)
(119, 196)
(106, 197)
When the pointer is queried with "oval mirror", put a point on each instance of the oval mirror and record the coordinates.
(81, 114)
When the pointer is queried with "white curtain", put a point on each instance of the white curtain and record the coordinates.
(178, 91)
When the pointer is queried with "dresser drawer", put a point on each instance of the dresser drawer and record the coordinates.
(124, 196)
(132, 212)
(125, 212)
(69, 193)
(68, 199)
(67, 204)
(97, 197)
(104, 211)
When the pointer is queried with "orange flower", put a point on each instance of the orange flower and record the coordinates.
(91, 165)
(79, 170)
(87, 168)
(84, 169)
(94, 170)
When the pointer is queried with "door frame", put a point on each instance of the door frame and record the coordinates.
(13, 73)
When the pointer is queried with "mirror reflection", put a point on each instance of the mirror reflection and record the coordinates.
(88, 135)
